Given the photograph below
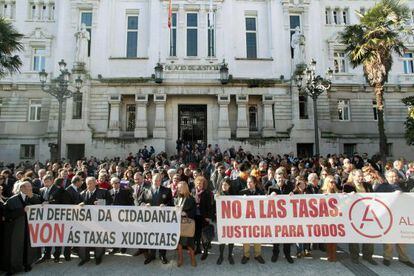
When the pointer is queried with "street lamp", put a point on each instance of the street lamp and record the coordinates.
(158, 73)
(313, 85)
(59, 89)
(224, 73)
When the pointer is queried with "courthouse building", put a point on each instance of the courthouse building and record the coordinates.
(121, 106)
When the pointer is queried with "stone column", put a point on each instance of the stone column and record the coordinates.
(268, 128)
(159, 126)
(141, 116)
(224, 131)
(242, 125)
(114, 124)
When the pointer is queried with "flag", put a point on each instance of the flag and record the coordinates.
(170, 14)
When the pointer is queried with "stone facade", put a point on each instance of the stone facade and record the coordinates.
(260, 108)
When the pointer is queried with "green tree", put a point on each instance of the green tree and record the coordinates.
(409, 123)
(9, 45)
(372, 44)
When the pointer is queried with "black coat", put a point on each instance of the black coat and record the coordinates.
(311, 189)
(123, 197)
(74, 196)
(350, 188)
(137, 191)
(148, 196)
(8, 186)
(248, 192)
(284, 190)
(188, 206)
(17, 243)
(56, 195)
(205, 205)
(237, 185)
(98, 194)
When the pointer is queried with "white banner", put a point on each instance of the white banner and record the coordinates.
(104, 226)
(336, 218)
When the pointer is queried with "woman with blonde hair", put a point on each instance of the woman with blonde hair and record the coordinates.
(185, 200)
(204, 211)
(329, 187)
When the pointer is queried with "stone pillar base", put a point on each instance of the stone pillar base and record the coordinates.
(114, 133)
(159, 132)
(269, 132)
(242, 132)
(140, 133)
(224, 133)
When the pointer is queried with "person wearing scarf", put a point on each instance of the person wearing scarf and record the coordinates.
(203, 213)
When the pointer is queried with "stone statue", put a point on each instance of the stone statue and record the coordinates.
(82, 39)
(298, 46)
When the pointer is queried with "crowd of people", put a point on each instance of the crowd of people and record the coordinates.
(192, 179)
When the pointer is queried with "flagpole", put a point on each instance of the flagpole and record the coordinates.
(170, 26)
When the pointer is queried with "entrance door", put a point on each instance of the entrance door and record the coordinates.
(192, 123)
(76, 152)
(305, 150)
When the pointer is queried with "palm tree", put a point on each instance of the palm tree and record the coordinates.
(9, 44)
(372, 43)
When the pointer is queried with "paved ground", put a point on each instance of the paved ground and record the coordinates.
(126, 264)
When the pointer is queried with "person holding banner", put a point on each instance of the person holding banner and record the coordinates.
(157, 195)
(330, 187)
(282, 187)
(93, 196)
(188, 205)
(19, 255)
(52, 193)
(392, 185)
(224, 190)
(203, 213)
(252, 190)
(356, 184)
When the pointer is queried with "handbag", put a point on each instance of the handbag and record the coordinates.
(207, 233)
(187, 227)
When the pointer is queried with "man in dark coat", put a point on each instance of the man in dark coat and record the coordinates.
(52, 193)
(8, 183)
(252, 190)
(93, 196)
(282, 187)
(137, 189)
(19, 255)
(73, 198)
(120, 197)
(157, 195)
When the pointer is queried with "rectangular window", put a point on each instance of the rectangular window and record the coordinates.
(340, 65)
(408, 62)
(211, 34)
(303, 107)
(375, 110)
(1, 105)
(192, 36)
(132, 36)
(39, 59)
(35, 109)
(343, 110)
(173, 35)
(86, 18)
(27, 151)
(77, 106)
(130, 117)
(251, 37)
(350, 149)
(253, 118)
(294, 22)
